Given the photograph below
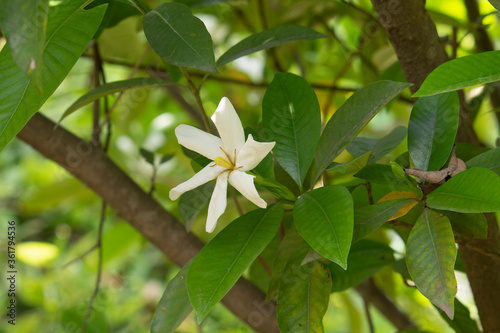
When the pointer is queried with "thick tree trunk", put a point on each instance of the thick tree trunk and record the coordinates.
(89, 164)
(416, 42)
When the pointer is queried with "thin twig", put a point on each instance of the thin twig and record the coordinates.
(80, 257)
(131, 75)
(398, 223)
(265, 265)
(199, 103)
(99, 267)
(271, 51)
(462, 242)
(153, 180)
(98, 69)
(370, 193)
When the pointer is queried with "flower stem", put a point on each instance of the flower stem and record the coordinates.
(196, 94)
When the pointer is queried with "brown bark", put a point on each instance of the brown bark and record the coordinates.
(90, 165)
(416, 42)
(379, 299)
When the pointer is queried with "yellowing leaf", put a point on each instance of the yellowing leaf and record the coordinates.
(401, 195)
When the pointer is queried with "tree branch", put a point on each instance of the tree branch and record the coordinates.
(372, 294)
(91, 165)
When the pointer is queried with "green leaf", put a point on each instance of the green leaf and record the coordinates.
(291, 117)
(379, 174)
(117, 11)
(475, 190)
(192, 202)
(267, 39)
(324, 218)
(369, 218)
(303, 295)
(461, 73)
(489, 160)
(409, 181)
(114, 87)
(360, 146)
(174, 305)
(221, 262)
(64, 45)
(352, 116)
(461, 322)
(290, 243)
(430, 257)
(468, 225)
(23, 23)
(366, 258)
(148, 156)
(179, 38)
(387, 144)
(280, 191)
(432, 129)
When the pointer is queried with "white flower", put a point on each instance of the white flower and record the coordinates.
(231, 157)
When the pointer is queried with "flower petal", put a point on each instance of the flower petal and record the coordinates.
(201, 142)
(252, 153)
(218, 202)
(244, 184)
(229, 126)
(211, 171)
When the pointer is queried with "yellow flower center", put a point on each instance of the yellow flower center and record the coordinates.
(224, 163)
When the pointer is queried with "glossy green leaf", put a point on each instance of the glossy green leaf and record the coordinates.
(432, 129)
(23, 23)
(221, 262)
(366, 258)
(291, 117)
(267, 39)
(475, 190)
(387, 144)
(430, 257)
(192, 202)
(290, 243)
(324, 218)
(114, 87)
(461, 73)
(369, 218)
(64, 45)
(303, 295)
(462, 321)
(378, 174)
(468, 225)
(178, 37)
(352, 116)
(174, 305)
(489, 160)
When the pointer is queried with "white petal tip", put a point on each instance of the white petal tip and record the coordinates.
(262, 204)
(174, 195)
(210, 228)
